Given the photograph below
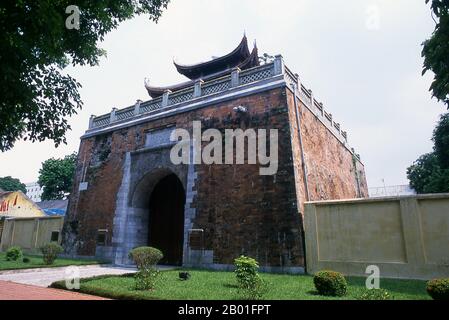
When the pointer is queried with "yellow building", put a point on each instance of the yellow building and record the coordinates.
(24, 224)
(16, 204)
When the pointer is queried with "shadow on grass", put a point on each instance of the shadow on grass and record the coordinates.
(230, 286)
(313, 293)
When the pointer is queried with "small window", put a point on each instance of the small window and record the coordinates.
(54, 236)
(102, 237)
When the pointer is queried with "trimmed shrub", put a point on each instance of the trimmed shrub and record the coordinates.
(26, 260)
(251, 286)
(146, 280)
(330, 283)
(14, 254)
(146, 259)
(375, 294)
(50, 252)
(438, 289)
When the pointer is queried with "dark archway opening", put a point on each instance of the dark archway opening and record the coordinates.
(166, 221)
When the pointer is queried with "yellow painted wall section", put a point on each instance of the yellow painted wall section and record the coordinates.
(406, 237)
(30, 233)
(17, 204)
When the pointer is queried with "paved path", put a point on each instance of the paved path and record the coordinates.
(16, 291)
(46, 276)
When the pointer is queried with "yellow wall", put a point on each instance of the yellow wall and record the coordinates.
(406, 237)
(16, 204)
(29, 233)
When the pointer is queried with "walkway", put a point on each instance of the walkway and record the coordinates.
(16, 291)
(46, 276)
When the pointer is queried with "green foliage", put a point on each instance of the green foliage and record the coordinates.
(427, 176)
(36, 95)
(26, 260)
(441, 140)
(330, 283)
(251, 285)
(146, 279)
(14, 254)
(50, 252)
(436, 51)
(146, 259)
(430, 173)
(375, 294)
(56, 177)
(11, 184)
(218, 285)
(438, 289)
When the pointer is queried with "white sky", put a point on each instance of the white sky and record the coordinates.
(361, 58)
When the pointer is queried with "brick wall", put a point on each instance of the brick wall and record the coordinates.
(240, 211)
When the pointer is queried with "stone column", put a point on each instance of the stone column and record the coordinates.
(298, 83)
(112, 115)
(279, 67)
(91, 121)
(197, 88)
(165, 98)
(137, 107)
(235, 81)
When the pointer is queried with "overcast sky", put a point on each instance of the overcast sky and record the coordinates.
(361, 58)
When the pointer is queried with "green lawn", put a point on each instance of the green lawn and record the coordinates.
(210, 285)
(37, 262)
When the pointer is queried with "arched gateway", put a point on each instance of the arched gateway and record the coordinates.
(166, 219)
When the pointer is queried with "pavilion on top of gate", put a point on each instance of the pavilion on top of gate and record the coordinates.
(240, 58)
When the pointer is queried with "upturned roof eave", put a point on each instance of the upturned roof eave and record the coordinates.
(251, 61)
(240, 53)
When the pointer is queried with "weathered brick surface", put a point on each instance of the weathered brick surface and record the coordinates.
(331, 167)
(240, 211)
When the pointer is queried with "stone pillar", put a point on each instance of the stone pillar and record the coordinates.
(112, 115)
(235, 81)
(197, 88)
(311, 97)
(298, 83)
(165, 98)
(91, 121)
(279, 67)
(137, 107)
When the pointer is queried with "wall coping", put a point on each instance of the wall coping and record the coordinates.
(380, 199)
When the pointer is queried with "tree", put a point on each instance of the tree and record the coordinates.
(56, 177)
(441, 140)
(427, 176)
(430, 173)
(36, 96)
(436, 51)
(11, 184)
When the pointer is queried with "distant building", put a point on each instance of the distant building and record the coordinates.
(391, 191)
(25, 224)
(34, 191)
(16, 204)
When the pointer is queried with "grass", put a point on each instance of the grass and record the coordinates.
(37, 262)
(214, 285)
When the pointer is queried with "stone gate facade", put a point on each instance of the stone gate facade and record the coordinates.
(226, 209)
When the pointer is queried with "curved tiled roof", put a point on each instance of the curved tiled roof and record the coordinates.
(212, 69)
